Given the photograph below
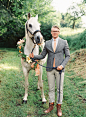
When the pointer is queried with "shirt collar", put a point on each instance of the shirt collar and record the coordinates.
(56, 38)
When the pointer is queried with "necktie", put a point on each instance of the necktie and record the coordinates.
(54, 48)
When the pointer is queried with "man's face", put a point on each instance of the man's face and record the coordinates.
(55, 32)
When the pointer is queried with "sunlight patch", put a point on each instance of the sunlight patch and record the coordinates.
(8, 67)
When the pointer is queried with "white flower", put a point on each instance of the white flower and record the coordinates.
(21, 41)
(28, 59)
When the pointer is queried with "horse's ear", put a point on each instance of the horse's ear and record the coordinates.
(28, 16)
(37, 16)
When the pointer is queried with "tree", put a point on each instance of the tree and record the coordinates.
(63, 21)
(84, 1)
(13, 15)
(53, 18)
(75, 12)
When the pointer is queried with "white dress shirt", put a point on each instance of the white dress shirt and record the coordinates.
(56, 42)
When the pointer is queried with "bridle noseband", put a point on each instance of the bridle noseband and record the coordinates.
(32, 33)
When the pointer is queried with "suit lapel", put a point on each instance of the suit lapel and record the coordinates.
(50, 45)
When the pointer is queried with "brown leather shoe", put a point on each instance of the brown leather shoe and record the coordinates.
(59, 112)
(51, 105)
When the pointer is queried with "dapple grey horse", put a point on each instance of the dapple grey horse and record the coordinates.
(32, 35)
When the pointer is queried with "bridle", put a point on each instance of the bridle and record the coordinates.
(32, 34)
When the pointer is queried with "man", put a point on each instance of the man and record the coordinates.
(56, 48)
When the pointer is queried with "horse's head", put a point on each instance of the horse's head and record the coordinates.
(33, 29)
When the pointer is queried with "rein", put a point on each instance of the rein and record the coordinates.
(33, 48)
(60, 71)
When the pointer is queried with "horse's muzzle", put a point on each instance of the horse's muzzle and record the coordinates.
(38, 39)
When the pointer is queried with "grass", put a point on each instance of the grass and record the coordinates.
(12, 83)
(71, 32)
(12, 90)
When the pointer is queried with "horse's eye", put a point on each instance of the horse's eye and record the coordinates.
(30, 25)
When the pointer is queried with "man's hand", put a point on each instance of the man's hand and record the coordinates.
(31, 55)
(59, 67)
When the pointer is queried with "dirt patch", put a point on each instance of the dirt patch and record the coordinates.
(2, 54)
(77, 63)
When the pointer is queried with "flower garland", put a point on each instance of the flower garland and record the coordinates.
(20, 47)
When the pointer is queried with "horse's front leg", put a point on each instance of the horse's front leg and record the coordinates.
(26, 85)
(40, 85)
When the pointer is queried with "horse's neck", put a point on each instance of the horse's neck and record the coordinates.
(29, 46)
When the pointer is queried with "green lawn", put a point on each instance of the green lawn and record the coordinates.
(12, 91)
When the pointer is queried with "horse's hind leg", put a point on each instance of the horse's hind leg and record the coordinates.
(40, 85)
(26, 85)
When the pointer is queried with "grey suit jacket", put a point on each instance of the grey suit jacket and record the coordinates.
(61, 50)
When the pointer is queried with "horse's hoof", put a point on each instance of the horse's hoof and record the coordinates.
(43, 102)
(24, 102)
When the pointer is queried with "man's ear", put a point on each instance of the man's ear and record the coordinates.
(28, 16)
(59, 32)
(51, 32)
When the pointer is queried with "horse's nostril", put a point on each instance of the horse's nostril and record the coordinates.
(38, 37)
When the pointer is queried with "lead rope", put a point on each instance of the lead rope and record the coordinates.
(60, 71)
(59, 85)
(33, 48)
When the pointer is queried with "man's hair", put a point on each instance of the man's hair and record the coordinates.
(55, 27)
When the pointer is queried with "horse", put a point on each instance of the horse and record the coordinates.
(33, 37)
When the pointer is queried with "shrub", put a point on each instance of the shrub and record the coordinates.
(14, 31)
(79, 42)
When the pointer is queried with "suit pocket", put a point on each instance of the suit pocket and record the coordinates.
(59, 51)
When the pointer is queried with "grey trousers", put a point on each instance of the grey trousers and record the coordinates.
(52, 75)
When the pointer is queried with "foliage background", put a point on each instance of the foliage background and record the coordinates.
(13, 15)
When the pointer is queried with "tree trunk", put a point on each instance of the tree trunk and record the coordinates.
(73, 24)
